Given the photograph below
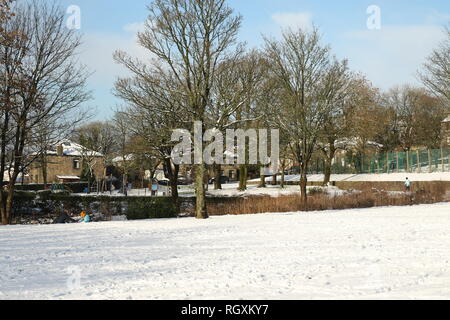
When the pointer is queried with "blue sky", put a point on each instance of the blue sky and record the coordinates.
(389, 56)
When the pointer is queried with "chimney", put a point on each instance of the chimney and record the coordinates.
(60, 150)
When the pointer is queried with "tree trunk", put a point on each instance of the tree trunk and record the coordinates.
(274, 179)
(200, 194)
(124, 184)
(217, 175)
(329, 156)
(262, 176)
(282, 178)
(327, 171)
(243, 169)
(303, 187)
(4, 220)
(8, 202)
(44, 170)
(19, 145)
(172, 172)
(4, 215)
(4, 142)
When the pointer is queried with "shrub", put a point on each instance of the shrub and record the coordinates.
(321, 201)
(316, 191)
(45, 202)
(150, 208)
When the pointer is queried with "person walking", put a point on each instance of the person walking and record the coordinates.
(407, 185)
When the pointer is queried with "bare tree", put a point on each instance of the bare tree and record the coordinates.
(5, 14)
(121, 124)
(144, 157)
(190, 38)
(44, 84)
(98, 136)
(338, 125)
(416, 116)
(436, 71)
(234, 97)
(156, 108)
(405, 102)
(309, 79)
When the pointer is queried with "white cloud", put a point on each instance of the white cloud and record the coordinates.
(293, 20)
(392, 55)
(134, 27)
(98, 49)
(437, 17)
(97, 54)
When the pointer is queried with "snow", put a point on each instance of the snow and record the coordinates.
(74, 149)
(228, 190)
(68, 177)
(378, 253)
(128, 157)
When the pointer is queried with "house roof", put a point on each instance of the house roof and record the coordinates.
(128, 157)
(68, 177)
(353, 142)
(447, 119)
(74, 150)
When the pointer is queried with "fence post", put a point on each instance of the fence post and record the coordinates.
(387, 162)
(419, 166)
(378, 163)
(398, 162)
(407, 162)
(429, 162)
(362, 164)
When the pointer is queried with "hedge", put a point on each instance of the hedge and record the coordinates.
(134, 208)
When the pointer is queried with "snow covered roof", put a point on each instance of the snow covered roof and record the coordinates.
(128, 157)
(68, 177)
(353, 142)
(447, 119)
(74, 150)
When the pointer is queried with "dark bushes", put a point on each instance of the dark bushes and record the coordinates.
(51, 204)
(150, 208)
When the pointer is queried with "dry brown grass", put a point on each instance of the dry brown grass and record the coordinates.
(433, 193)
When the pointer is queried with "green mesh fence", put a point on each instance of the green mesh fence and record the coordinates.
(424, 161)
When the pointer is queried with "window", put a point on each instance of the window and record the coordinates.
(76, 164)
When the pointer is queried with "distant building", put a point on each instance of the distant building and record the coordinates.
(65, 164)
(446, 132)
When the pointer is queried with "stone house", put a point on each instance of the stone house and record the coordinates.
(65, 164)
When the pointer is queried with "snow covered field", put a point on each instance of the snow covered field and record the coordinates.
(400, 252)
(228, 190)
